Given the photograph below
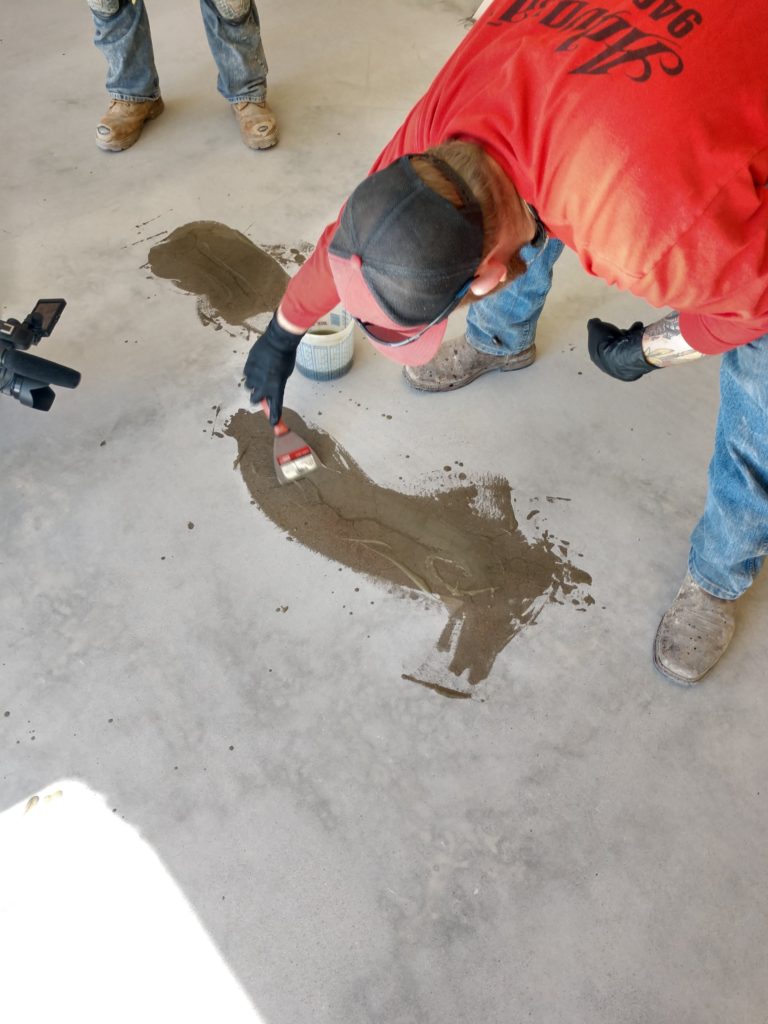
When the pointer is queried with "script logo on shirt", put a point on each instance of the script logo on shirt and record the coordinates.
(608, 39)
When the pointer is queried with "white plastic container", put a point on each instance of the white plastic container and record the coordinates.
(326, 350)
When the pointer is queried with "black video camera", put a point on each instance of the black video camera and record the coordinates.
(26, 377)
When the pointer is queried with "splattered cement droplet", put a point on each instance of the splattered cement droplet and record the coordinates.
(461, 546)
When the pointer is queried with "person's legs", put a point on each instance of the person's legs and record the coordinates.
(122, 35)
(234, 36)
(500, 329)
(730, 541)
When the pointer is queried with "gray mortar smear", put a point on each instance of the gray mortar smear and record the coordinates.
(233, 279)
(461, 546)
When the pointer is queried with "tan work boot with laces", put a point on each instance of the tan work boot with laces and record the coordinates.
(121, 125)
(258, 126)
(457, 363)
(693, 634)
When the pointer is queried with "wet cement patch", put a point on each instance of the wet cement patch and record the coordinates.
(461, 546)
(233, 279)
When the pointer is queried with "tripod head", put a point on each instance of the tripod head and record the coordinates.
(25, 377)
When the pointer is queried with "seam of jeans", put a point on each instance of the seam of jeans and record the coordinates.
(753, 566)
(526, 334)
(706, 584)
(500, 351)
(259, 98)
(126, 98)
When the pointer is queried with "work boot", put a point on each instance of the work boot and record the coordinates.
(457, 363)
(693, 634)
(258, 126)
(121, 125)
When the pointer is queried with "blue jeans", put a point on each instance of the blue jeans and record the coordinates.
(506, 321)
(122, 34)
(730, 541)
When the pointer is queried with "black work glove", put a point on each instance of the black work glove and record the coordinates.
(269, 365)
(618, 353)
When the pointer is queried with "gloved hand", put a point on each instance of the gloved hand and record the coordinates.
(269, 365)
(618, 353)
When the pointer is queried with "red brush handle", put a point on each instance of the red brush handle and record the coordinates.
(280, 427)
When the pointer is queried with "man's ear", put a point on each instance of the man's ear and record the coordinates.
(490, 273)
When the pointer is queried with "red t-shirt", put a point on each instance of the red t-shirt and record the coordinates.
(638, 129)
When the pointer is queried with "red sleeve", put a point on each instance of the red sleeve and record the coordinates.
(311, 293)
(714, 335)
(716, 274)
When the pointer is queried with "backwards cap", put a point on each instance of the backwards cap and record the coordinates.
(402, 254)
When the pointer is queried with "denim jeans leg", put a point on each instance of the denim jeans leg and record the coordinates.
(126, 42)
(730, 541)
(237, 49)
(505, 322)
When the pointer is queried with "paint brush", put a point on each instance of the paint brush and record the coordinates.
(292, 456)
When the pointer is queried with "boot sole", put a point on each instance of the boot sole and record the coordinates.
(267, 143)
(126, 143)
(433, 387)
(671, 677)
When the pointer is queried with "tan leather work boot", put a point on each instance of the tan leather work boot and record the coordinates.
(693, 634)
(258, 126)
(121, 125)
(457, 363)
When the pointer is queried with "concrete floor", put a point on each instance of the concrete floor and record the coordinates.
(581, 842)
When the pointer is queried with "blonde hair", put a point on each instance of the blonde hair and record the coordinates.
(471, 164)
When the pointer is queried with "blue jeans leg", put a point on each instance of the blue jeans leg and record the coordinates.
(505, 322)
(730, 540)
(237, 49)
(125, 40)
